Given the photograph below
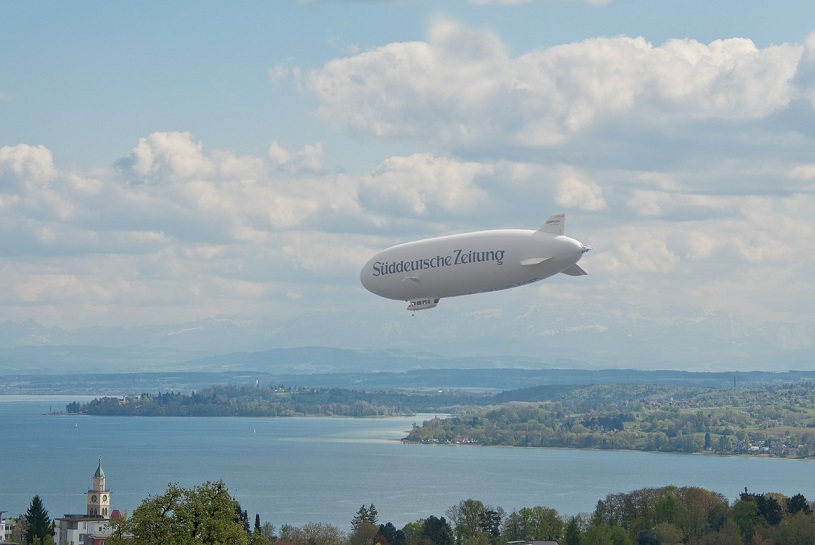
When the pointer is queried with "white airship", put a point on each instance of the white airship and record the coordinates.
(424, 271)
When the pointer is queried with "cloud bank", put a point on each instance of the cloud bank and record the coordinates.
(686, 166)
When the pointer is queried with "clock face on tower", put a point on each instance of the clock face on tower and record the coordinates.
(104, 498)
(93, 498)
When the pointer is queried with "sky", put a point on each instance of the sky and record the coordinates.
(175, 161)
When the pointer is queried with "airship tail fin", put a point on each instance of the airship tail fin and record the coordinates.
(554, 225)
(574, 270)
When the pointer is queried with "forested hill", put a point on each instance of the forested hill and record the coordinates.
(768, 421)
(762, 420)
(280, 400)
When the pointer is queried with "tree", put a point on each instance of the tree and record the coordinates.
(799, 529)
(204, 514)
(490, 524)
(414, 532)
(769, 507)
(618, 536)
(364, 534)
(572, 533)
(267, 531)
(360, 517)
(19, 531)
(746, 516)
(472, 517)
(367, 515)
(798, 503)
(598, 534)
(541, 523)
(315, 533)
(465, 517)
(438, 531)
(667, 533)
(389, 535)
(647, 537)
(511, 528)
(37, 522)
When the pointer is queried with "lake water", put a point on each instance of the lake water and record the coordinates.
(300, 470)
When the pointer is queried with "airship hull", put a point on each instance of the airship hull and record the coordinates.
(424, 271)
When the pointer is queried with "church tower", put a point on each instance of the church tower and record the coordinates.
(99, 495)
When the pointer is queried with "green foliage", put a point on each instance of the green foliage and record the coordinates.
(365, 515)
(438, 531)
(39, 526)
(389, 535)
(757, 420)
(315, 533)
(798, 504)
(234, 400)
(204, 514)
(768, 420)
(747, 517)
(650, 516)
(572, 534)
(769, 508)
(363, 534)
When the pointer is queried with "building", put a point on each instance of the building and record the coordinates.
(93, 527)
(99, 495)
(7, 528)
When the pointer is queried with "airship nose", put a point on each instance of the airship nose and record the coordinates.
(578, 246)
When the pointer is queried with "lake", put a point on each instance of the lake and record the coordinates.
(300, 470)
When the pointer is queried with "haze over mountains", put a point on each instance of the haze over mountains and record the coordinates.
(533, 338)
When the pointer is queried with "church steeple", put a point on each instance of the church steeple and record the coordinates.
(99, 478)
(99, 495)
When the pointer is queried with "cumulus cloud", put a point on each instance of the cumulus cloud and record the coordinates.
(648, 203)
(462, 88)
(574, 191)
(31, 164)
(805, 78)
(646, 252)
(419, 183)
(310, 158)
(170, 155)
(803, 172)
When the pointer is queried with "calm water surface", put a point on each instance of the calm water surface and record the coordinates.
(300, 470)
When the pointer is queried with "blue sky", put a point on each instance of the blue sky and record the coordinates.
(177, 161)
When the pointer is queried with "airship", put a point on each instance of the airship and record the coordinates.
(424, 271)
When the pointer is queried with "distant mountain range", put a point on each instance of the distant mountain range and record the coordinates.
(533, 338)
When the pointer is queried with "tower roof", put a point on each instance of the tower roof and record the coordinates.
(99, 473)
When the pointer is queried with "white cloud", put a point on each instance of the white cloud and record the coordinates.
(170, 155)
(658, 154)
(33, 164)
(311, 158)
(648, 203)
(420, 183)
(641, 250)
(700, 244)
(462, 88)
(805, 78)
(574, 191)
(803, 172)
